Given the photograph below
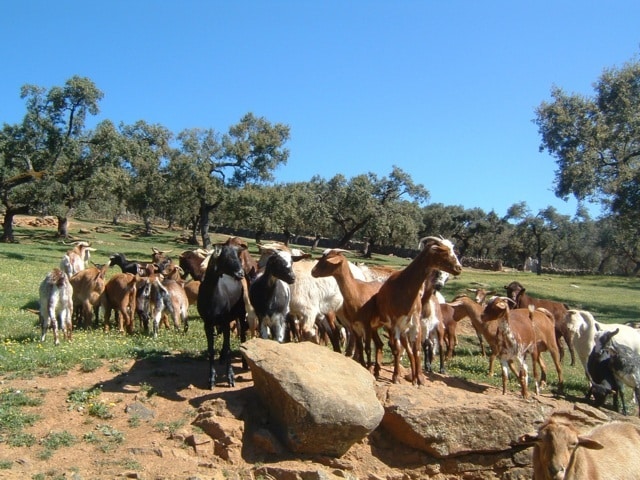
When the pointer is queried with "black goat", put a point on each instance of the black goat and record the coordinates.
(143, 269)
(127, 266)
(603, 381)
(624, 363)
(270, 293)
(220, 301)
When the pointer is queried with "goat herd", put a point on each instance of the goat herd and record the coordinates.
(288, 297)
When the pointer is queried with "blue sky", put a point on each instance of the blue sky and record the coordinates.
(445, 90)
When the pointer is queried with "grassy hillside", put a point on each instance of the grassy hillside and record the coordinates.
(23, 265)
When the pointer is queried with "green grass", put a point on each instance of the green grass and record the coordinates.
(24, 265)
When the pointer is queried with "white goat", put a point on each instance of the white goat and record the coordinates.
(56, 304)
(582, 328)
(76, 259)
(312, 298)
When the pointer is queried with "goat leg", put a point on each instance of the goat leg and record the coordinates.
(211, 337)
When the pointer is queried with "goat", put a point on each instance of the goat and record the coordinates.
(481, 294)
(120, 294)
(88, 285)
(560, 451)
(220, 301)
(624, 364)
(465, 307)
(250, 268)
(76, 259)
(517, 293)
(269, 294)
(314, 298)
(601, 378)
(432, 320)
(582, 327)
(159, 257)
(169, 295)
(521, 331)
(128, 266)
(56, 304)
(398, 303)
(191, 262)
(191, 289)
(356, 306)
(450, 324)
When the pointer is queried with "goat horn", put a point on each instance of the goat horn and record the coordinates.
(424, 240)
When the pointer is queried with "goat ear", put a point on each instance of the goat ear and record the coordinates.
(587, 442)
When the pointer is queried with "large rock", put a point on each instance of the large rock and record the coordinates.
(466, 419)
(319, 401)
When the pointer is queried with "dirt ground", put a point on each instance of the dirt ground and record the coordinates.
(152, 403)
(169, 390)
(155, 442)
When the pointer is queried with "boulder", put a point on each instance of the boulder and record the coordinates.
(319, 401)
(469, 418)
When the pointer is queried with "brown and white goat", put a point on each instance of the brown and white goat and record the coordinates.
(76, 259)
(56, 304)
(518, 332)
(120, 295)
(517, 292)
(561, 452)
(398, 303)
(88, 285)
(356, 306)
(168, 296)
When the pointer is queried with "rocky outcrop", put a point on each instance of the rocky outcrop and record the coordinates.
(320, 402)
(312, 413)
(463, 421)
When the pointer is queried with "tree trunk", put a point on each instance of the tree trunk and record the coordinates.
(368, 248)
(7, 228)
(148, 228)
(315, 243)
(205, 210)
(63, 227)
(193, 239)
(7, 223)
(204, 227)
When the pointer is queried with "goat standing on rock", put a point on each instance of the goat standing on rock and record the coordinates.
(398, 303)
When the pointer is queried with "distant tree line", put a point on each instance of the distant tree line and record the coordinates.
(199, 179)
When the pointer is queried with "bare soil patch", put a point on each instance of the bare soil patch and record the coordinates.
(170, 390)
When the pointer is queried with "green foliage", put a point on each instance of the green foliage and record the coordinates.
(14, 419)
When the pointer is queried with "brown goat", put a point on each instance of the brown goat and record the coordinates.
(120, 295)
(465, 307)
(88, 285)
(191, 289)
(398, 303)
(519, 332)
(357, 295)
(607, 451)
(517, 293)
